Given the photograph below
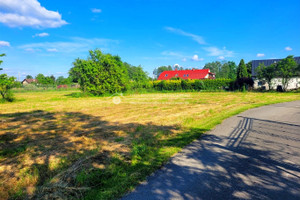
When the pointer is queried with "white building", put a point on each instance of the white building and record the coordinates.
(294, 83)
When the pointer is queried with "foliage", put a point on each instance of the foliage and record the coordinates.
(242, 70)
(137, 76)
(6, 83)
(214, 67)
(244, 84)
(63, 81)
(159, 70)
(29, 77)
(266, 73)
(100, 73)
(192, 85)
(286, 69)
(249, 69)
(45, 80)
(225, 69)
(1, 61)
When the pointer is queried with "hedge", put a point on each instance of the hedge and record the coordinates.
(195, 85)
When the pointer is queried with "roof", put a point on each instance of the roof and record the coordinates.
(29, 80)
(185, 74)
(255, 63)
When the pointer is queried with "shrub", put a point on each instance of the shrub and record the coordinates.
(192, 85)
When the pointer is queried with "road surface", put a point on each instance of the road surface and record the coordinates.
(253, 155)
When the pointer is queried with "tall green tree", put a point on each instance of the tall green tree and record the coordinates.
(100, 73)
(242, 70)
(266, 73)
(287, 68)
(249, 69)
(228, 70)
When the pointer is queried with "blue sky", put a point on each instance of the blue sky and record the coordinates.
(42, 36)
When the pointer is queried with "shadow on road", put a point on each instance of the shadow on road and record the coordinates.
(259, 160)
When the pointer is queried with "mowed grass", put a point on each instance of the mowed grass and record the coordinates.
(55, 145)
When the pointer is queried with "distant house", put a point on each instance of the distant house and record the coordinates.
(28, 81)
(187, 74)
(293, 84)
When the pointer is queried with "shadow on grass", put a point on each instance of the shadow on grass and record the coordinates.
(259, 159)
(75, 155)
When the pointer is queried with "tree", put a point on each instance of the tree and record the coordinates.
(63, 81)
(1, 61)
(159, 70)
(44, 80)
(242, 70)
(214, 67)
(232, 70)
(227, 70)
(286, 69)
(249, 69)
(29, 77)
(6, 83)
(100, 73)
(266, 73)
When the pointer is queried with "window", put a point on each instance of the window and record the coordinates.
(187, 75)
(166, 75)
(183, 75)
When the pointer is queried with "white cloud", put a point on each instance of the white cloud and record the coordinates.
(171, 53)
(4, 44)
(184, 59)
(75, 44)
(199, 39)
(288, 48)
(214, 51)
(221, 57)
(96, 10)
(52, 50)
(196, 58)
(28, 13)
(260, 55)
(41, 35)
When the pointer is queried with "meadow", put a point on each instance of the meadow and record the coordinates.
(53, 144)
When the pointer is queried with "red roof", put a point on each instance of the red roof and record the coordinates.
(186, 74)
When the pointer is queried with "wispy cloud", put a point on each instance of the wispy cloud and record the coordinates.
(221, 57)
(41, 35)
(260, 55)
(29, 13)
(288, 48)
(52, 50)
(4, 44)
(196, 58)
(75, 44)
(199, 39)
(215, 51)
(96, 10)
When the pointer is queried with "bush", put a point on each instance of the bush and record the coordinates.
(193, 85)
(100, 73)
(244, 84)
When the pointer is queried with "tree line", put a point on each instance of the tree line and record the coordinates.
(104, 73)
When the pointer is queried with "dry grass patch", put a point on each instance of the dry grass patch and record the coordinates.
(53, 144)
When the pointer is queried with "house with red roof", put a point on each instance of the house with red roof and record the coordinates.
(187, 74)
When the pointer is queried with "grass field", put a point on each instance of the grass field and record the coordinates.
(55, 145)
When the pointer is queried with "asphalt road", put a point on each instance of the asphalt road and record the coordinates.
(253, 155)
